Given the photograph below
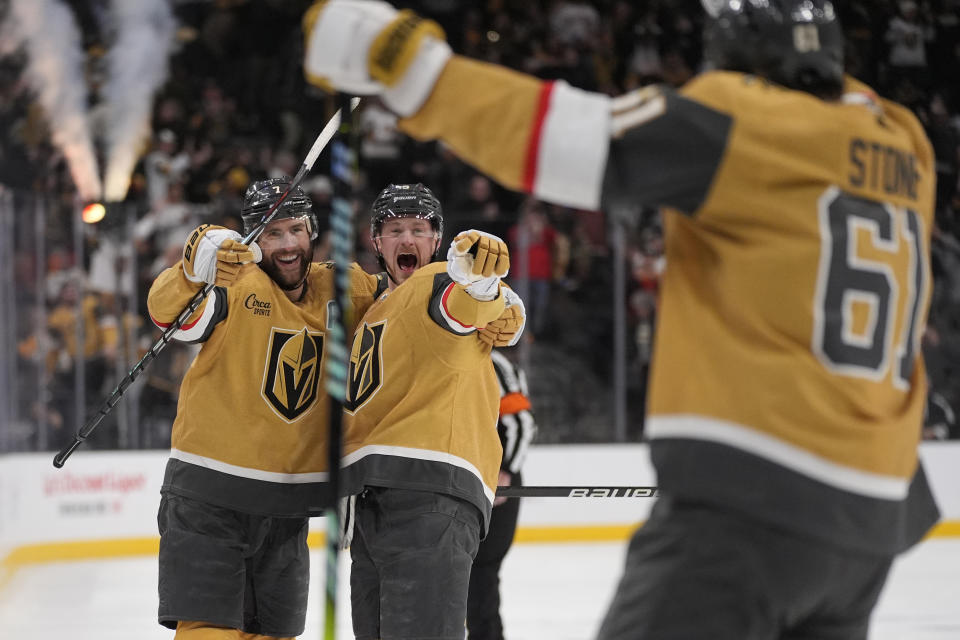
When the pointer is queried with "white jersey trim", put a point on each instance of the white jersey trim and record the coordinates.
(528, 429)
(196, 330)
(865, 483)
(454, 324)
(511, 427)
(246, 472)
(573, 145)
(419, 454)
(505, 368)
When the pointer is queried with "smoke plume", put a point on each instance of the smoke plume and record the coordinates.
(136, 67)
(55, 71)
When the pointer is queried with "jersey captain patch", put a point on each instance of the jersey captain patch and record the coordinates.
(293, 372)
(366, 365)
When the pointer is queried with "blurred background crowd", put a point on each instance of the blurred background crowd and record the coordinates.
(234, 108)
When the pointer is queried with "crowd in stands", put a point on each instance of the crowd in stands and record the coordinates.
(235, 108)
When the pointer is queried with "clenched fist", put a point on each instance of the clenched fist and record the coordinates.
(477, 260)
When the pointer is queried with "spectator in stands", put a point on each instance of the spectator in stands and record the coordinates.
(163, 166)
(78, 328)
(480, 209)
(945, 137)
(214, 108)
(908, 35)
(533, 240)
(380, 145)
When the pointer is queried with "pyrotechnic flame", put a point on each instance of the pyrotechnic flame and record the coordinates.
(55, 71)
(93, 213)
(137, 66)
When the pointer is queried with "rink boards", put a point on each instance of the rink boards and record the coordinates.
(103, 504)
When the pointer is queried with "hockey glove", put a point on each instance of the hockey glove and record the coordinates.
(477, 260)
(367, 47)
(214, 255)
(506, 330)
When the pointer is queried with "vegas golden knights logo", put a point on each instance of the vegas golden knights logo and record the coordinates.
(366, 366)
(293, 371)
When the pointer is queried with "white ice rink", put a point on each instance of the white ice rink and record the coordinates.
(550, 591)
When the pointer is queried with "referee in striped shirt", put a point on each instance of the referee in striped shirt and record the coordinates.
(517, 429)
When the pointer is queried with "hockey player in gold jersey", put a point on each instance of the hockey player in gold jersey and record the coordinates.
(420, 444)
(787, 389)
(248, 461)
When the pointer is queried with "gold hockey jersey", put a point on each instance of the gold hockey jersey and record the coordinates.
(422, 400)
(788, 380)
(251, 425)
(801, 265)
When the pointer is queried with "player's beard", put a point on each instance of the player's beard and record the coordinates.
(285, 278)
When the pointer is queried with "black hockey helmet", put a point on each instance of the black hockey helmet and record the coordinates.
(406, 201)
(262, 195)
(795, 43)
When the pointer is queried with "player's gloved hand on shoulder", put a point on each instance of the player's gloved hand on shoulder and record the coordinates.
(216, 256)
(367, 47)
(506, 330)
(477, 260)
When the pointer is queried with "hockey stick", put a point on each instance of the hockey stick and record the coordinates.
(111, 401)
(576, 492)
(343, 170)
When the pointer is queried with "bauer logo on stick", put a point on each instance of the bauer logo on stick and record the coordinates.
(613, 492)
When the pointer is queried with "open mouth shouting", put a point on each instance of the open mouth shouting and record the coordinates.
(404, 244)
(407, 263)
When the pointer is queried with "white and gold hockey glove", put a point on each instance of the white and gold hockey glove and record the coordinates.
(477, 260)
(216, 256)
(366, 47)
(506, 330)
